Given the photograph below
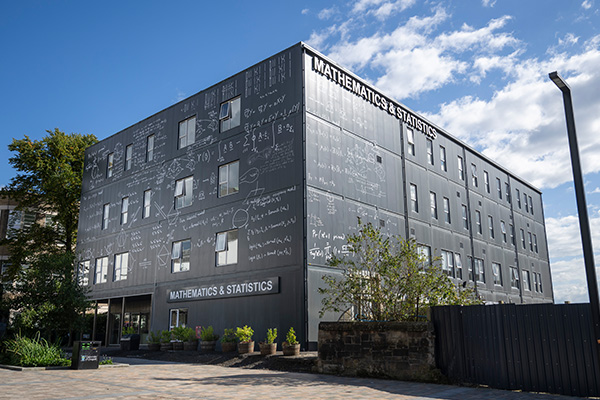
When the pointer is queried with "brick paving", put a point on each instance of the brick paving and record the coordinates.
(159, 380)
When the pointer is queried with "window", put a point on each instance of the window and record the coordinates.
(531, 205)
(124, 208)
(18, 220)
(491, 226)
(530, 241)
(227, 247)
(178, 317)
(128, 156)
(503, 230)
(497, 271)
(525, 201)
(184, 192)
(478, 222)
(430, 151)
(512, 235)
(414, 200)
(101, 270)
(523, 238)
(537, 282)
(474, 174)
(464, 217)
(479, 270)
(514, 278)
(187, 132)
(425, 253)
(229, 175)
(147, 204)
(526, 282)
(461, 171)
(499, 188)
(150, 148)
(230, 114)
(121, 261)
(180, 256)
(110, 163)
(410, 140)
(507, 190)
(535, 245)
(83, 273)
(486, 181)
(433, 205)
(447, 210)
(458, 264)
(443, 164)
(518, 196)
(448, 263)
(105, 210)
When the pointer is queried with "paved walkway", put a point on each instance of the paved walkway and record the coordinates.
(159, 380)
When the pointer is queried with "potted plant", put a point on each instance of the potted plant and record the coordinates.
(269, 346)
(228, 341)
(178, 337)
(209, 339)
(154, 341)
(245, 342)
(291, 347)
(190, 341)
(165, 340)
(130, 340)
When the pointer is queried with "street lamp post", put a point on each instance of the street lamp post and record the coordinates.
(584, 224)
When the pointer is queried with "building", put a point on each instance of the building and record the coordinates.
(223, 208)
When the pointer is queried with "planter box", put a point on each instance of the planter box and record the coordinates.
(398, 350)
(208, 346)
(190, 346)
(290, 349)
(153, 346)
(166, 346)
(267, 349)
(177, 345)
(228, 347)
(244, 348)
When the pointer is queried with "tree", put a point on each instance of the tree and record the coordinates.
(41, 263)
(387, 279)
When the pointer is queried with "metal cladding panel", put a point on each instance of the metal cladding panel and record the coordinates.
(343, 163)
(267, 210)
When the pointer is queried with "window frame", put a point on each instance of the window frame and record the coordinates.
(181, 256)
(515, 279)
(497, 273)
(187, 138)
(124, 210)
(414, 198)
(443, 163)
(410, 141)
(101, 275)
(83, 273)
(447, 216)
(105, 216)
(128, 157)
(461, 168)
(474, 176)
(147, 203)
(181, 196)
(229, 120)
(430, 158)
(150, 139)
(486, 181)
(491, 227)
(110, 164)
(178, 313)
(121, 266)
(478, 222)
(465, 216)
(433, 205)
(224, 179)
(227, 248)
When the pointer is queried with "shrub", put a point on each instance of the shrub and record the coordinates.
(128, 330)
(189, 334)
(179, 333)
(228, 336)
(290, 337)
(106, 361)
(165, 336)
(36, 352)
(154, 337)
(244, 334)
(271, 335)
(208, 335)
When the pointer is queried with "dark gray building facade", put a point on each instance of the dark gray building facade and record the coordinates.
(224, 208)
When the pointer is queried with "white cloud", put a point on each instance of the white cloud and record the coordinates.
(595, 191)
(488, 3)
(381, 9)
(305, 11)
(327, 13)
(587, 4)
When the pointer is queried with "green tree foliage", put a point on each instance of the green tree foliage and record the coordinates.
(387, 279)
(48, 183)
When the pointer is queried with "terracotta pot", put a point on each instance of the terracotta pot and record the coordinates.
(228, 347)
(245, 347)
(166, 346)
(208, 346)
(190, 346)
(153, 346)
(267, 349)
(291, 349)
(177, 345)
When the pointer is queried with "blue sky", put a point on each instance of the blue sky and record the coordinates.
(477, 68)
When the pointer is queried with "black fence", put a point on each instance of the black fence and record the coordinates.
(531, 347)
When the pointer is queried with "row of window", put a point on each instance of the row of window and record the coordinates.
(229, 117)
(414, 206)
(184, 193)
(452, 266)
(226, 253)
(527, 200)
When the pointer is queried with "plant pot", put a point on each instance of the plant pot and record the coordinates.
(177, 345)
(208, 346)
(291, 349)
(166, 346)
(267, 349)
(153, 346)
(228, 347)
(190, 346)
(245, 347)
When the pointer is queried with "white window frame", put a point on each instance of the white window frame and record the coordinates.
(515, 280)
(499, 188)
(110, 164)
(121, 267)
(474, 177)
(461, 168)
(178, 313)
(410, 141)
(226, 248)
(147, 203)
(478, 222)
(230, 114)
(229, 178)
(497, 272)
(465, 217)
(187, 132)
(83, 273)
(503, 230)
(430, 159)
(124, 210)
(530, 205)
(518, 198)
(526, 281)
(486, 181)
(101, 270)
(535, 243)
(414, 198)
(448, 263)
(181, 255)
(491, 226)
(459, 265)
(433, 205)
(523, 239)
(443, 164)
(128, 157)
(150, 147)
(447, 216)
(479, 270)
(105, 215)
(184, 192)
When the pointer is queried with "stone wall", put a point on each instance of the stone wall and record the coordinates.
(398, 350)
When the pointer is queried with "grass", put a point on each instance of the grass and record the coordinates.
(36, 352)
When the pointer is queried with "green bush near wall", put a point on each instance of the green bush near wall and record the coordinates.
(36, 352)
